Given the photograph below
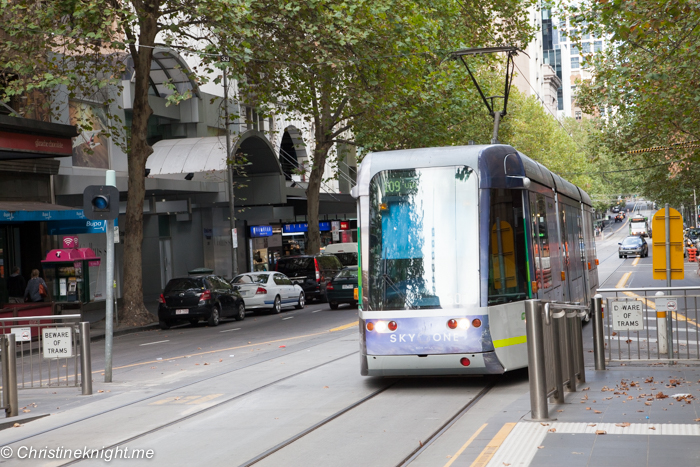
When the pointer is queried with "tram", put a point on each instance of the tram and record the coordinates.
(452, 240)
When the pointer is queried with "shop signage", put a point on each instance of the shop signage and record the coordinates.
(70, 242)
(35, 144)
(344, 225)
(324, 226)
(64, 227)
(261, 231)
(41, 216)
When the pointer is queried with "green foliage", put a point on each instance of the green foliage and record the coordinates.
(648, 83)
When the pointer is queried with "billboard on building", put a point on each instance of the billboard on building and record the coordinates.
(91, 147)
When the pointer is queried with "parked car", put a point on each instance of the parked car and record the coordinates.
(268, 290)
(209, 297)
(342, 288)
(616, 209)
(345, 252)
(312, 273)
(633, 246)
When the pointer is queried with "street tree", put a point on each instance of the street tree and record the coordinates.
(340, 62)
(645, 84)
(79, 47)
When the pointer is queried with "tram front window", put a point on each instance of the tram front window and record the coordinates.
(424, 249)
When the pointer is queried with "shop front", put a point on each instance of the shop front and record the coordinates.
(267, 243)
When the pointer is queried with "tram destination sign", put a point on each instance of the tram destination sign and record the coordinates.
(627, 315)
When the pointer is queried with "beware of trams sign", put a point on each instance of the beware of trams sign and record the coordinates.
(627, 315)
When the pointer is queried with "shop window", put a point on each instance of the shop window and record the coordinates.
(507, 258)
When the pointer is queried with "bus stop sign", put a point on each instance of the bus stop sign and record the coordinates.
(658, 226)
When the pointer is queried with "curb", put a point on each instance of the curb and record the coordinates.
(10, 422)
(123, 332)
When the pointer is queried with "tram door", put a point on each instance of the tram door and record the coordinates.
(572, 253)
(545, 245)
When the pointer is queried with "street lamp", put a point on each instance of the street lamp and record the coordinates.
(229, 172)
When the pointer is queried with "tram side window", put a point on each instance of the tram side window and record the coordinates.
(507, 260)
(540, 241)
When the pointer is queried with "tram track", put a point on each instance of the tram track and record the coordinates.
(446, 426)
(184, 386)
(410, 457)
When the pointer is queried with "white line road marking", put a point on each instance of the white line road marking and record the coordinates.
(151, 343)
(229, 330)
(316, 311)
(288, 317)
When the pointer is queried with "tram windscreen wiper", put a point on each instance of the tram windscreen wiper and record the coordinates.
(395, 288)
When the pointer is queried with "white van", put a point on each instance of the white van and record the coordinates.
(345, 252)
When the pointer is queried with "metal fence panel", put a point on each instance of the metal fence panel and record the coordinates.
(650, 343)
(34, 370)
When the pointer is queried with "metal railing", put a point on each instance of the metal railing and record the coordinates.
(555, 352)
(43, 351)
(659, 324)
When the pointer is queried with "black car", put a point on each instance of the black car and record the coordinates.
(195, 298)
(312, 273)
(342, 288)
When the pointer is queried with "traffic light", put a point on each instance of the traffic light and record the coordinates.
(101, 202)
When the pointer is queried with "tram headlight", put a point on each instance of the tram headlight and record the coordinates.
(463, 324)
(383, 326)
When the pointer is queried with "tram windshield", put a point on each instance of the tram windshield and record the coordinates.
(424, 246)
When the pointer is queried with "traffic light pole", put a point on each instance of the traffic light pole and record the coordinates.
(111, 180)
(231, 194)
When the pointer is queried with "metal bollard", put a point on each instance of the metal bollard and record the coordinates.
(558, 376)
(85, 359)
(11, 382)
(568, 337)
(536, 360)
(661, 328)
(598, 333)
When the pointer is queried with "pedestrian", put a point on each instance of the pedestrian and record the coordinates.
(16, 285)
(36, 290)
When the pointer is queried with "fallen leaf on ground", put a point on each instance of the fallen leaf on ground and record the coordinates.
(552, 430)
(585, 389)
(16, 425)
(592, 424)
(26, 411)
(559, 410)
(540, 447)
(597, 411)
(661, 395)
(326, 387)
(600, 432)
(623, 425)
(588, 408)
(544, 424)
(652, 428)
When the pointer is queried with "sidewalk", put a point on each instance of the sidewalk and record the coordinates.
(624, 416)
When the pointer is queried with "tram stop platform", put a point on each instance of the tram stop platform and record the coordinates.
(643, 415)
(623, 416)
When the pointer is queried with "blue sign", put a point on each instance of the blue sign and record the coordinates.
(323, 226)
(41, 216)
(261, 231)
(65, 227)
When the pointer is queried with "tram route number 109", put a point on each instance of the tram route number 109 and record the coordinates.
(399, 186)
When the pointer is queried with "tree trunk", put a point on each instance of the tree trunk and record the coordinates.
(313, 245)
(133, 312)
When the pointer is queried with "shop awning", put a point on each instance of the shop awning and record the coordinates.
(24, 211)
